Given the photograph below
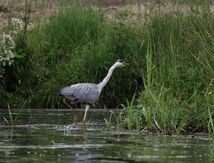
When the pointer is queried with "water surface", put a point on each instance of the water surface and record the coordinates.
(49, 137)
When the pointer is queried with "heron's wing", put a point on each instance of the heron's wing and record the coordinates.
(84, 92)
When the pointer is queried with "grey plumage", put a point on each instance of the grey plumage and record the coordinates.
(82, 92)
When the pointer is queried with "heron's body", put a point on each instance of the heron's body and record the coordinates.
(82, 93)
(87, 92)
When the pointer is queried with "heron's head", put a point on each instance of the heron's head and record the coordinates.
(121, 63)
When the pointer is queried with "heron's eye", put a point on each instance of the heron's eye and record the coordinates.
(120, 60)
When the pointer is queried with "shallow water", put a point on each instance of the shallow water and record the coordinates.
(49, 137)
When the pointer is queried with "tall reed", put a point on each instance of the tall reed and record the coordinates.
(179, 70)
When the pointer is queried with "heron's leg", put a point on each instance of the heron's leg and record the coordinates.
(73, 110)
(84, 118)
(66, 103)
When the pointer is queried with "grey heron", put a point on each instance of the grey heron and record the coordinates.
(87, 93)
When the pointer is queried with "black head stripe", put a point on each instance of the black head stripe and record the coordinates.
(120, 60)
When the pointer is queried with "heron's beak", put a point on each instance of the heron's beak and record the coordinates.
(125, 64)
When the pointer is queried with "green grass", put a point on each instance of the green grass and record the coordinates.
(76, 45)
(179, 73)
(171, 71)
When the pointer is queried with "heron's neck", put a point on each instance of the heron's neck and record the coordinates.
(106, 79)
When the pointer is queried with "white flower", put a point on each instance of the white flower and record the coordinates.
(6, 46)
(8, 42)
(17, 23)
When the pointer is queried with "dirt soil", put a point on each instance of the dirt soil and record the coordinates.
(125, 10)
(28, 10)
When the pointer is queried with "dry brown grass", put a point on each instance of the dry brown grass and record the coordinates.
(35, 7)
(132, 11)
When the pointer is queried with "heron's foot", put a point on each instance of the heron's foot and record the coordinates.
(72, 126)
(68, 128)
(75, 119)
(75, 124)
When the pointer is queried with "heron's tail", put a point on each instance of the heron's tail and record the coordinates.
(60, 93)
(66, 91)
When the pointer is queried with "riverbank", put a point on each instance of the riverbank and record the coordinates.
(168, 86)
